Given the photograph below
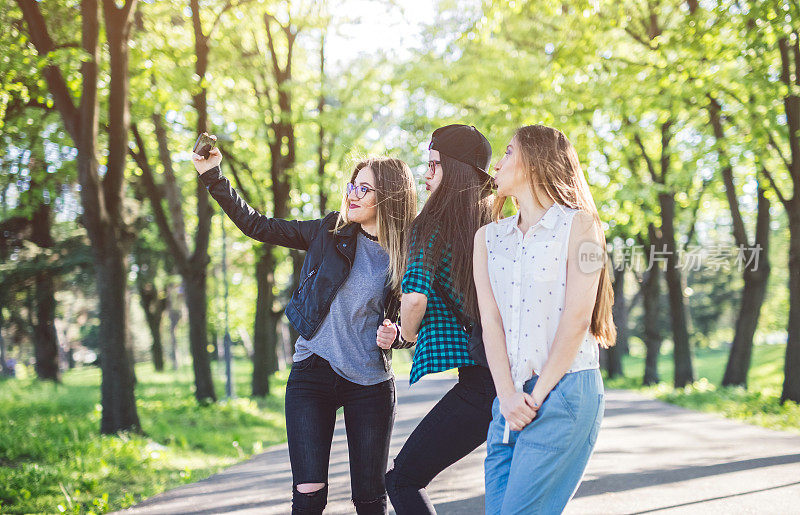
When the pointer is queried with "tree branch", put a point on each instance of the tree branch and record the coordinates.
(714, 115)
(638, 38)
(666, 138)
(777, 190)
(695, 211)
(155, 196)
(276, 68)
(170, 184)
(40, 37)
(239, 184)
(650, 167)
(214, 24)
(774, 145)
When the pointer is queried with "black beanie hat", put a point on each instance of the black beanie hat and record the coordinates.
(465, 144)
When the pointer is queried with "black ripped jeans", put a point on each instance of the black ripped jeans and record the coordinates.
(455, 427)
(313, 394)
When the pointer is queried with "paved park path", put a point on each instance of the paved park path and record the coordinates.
(651, 457)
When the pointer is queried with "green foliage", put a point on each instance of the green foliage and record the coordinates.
(755, 407)
(52, 458)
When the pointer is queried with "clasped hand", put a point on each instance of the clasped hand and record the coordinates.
(519, 409)
(386, 334)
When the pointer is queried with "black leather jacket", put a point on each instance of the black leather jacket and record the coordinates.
(329, 256)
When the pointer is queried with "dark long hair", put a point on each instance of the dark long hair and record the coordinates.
(447, 224)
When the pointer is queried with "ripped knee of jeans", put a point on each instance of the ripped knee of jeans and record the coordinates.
(312, 501)
(309, 488)
(377, 505)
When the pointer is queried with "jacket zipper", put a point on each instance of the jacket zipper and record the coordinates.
(309, 276)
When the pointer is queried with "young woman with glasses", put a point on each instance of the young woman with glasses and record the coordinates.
(350, 282)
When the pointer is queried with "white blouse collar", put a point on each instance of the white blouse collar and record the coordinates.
(548, 219)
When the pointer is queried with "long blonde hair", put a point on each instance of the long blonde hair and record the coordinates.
(396, 196)
(554, 172)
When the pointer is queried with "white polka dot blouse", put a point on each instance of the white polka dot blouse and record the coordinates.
(528, 275)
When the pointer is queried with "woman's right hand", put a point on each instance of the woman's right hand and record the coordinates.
(518, 410)
(202, 164)
(386, 335)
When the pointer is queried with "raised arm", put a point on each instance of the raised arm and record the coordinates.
(286, 233)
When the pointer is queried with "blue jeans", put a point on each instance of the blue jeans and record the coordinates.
(540, 468)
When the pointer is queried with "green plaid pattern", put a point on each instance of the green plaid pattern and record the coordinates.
(442, 342)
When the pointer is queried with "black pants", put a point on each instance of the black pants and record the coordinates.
(455, 427)
(313, 394)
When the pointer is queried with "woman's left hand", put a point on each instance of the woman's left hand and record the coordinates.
(536, 398)
(387, 333)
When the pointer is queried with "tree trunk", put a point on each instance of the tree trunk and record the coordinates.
(755, 279)
(117, 389)
(791, 380)
(153, 308)
(753, 293)
(612, 357)
(651, 296)
(44, 331)
(119, 380)
(214, 347)
(282, 147)
(45, 340)
(790, 60)
(265, 356)
(195, 278)
(194, 289)
(174, 318)
(191, 267)
(4, 369)
(101, 200)
(667, 246)
(682, 353)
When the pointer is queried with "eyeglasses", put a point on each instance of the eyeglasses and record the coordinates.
(361, 190)
(432, 166)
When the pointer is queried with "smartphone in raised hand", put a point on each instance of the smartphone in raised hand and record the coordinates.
(204, 144)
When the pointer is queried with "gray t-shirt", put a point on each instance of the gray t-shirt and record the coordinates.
(346, 338)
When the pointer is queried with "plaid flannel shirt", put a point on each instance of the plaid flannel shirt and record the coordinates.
(441, 342)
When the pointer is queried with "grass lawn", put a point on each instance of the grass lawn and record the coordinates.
(756, 405)
(52, 458)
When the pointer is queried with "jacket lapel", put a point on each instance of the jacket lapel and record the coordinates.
(346, 240)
